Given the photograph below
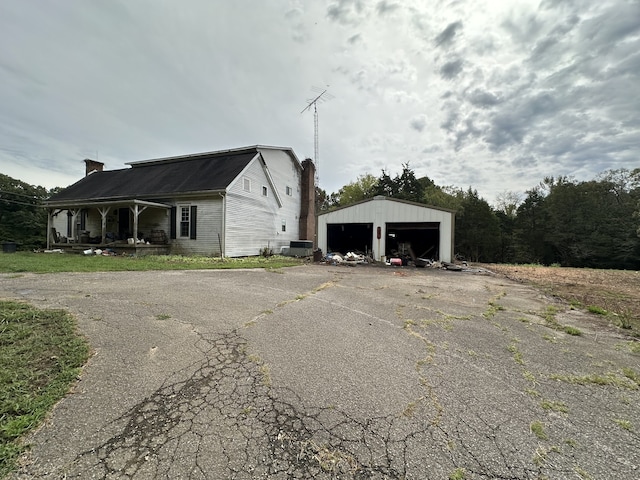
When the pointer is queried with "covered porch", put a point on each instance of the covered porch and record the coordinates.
(112, 225)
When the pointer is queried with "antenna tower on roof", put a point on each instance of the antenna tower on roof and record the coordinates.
(322, 95)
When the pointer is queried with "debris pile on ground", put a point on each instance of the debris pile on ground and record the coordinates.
(107, 252)
(351, 259)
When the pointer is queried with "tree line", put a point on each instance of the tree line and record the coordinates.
(22, 218)
(561, 221)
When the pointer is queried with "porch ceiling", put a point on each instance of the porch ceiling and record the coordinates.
(106, 203)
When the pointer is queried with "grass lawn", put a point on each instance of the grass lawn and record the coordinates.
(40, 357)
(20, 262)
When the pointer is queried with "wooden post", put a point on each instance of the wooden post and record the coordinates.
(136, 212)
(103, 213)
(74, 227)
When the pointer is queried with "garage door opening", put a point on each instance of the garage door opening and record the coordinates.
(349, 237)
(421, 240)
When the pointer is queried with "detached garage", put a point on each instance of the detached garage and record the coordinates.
(384, 227)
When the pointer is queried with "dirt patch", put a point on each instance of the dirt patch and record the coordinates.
(614, 294)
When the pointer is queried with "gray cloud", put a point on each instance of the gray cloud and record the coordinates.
(383, 7)
(418, 123)
(451, 69)
(354, 39)
(483, 99)
(446, 37)
(346, 11)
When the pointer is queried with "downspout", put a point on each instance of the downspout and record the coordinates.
(453, 237)
(223, 234)
(49, 229)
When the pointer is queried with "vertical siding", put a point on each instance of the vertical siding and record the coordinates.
(380, 212)
(253, 221)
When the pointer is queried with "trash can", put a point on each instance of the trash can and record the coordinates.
(317, 255)
(9, 247)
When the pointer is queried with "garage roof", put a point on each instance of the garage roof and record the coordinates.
(389, 199)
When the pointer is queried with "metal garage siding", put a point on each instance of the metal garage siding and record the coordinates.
(380, 211)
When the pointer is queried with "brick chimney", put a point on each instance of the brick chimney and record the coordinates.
(92, 166)
(307, 223)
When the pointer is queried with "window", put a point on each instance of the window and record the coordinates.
(284, 225)
(246, 184)
(184, 221)
(264, 191)
(289, 191)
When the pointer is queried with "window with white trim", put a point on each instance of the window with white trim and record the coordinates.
(264, 191)
(289, 190)
(185, 221)
(284, 225)
(246, 184)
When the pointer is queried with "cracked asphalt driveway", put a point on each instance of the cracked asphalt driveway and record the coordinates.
(334, 372)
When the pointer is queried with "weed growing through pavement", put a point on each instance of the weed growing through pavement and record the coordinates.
(624, 424)
(410, 409)
(533, 392)
(517, 354)
(493, 309)
(266, 375)
(572, 330)
(458, 474)
(163, 316)
(607, 379)
(537, 428)
(631, 374)
(597, 310)
(554, 406)
(549, 315)
(263, 368)
(631, 347)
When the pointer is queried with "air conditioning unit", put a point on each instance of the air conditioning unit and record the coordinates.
(300, 248)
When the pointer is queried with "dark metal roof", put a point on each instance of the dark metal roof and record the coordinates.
(196, 173)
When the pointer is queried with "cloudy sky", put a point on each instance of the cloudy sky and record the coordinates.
(490, 94)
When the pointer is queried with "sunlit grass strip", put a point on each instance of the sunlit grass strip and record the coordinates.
(40, 357)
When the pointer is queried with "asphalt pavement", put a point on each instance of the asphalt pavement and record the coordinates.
(327, 372)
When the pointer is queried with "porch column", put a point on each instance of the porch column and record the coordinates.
(74, 227)
(104, 211)
(136, 212)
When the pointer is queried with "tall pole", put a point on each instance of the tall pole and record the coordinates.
(323, 96)
(316, 156)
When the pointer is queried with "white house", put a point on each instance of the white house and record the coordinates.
(223, 203)
(383, 227)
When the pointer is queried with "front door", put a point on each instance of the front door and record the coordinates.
(124, 223)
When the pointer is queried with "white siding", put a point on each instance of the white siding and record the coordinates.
(59, 222)
(254, 221)
(208, 226)
(286, 172)
(153, 219)
(381, 211)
